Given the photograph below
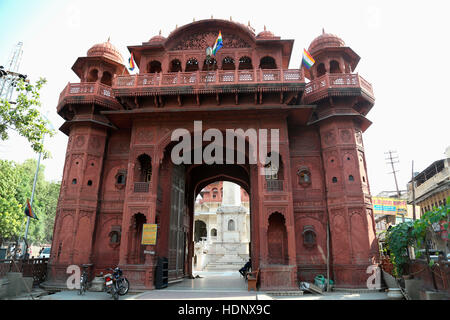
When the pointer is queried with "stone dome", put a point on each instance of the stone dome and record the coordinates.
(158, 38)
(325, 40)
(107, 50)
(266, 34)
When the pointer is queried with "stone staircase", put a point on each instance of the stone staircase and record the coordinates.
(228, 262)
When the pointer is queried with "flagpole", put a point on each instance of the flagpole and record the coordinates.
(32, 197)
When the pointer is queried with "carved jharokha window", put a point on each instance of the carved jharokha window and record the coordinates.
(304, 176)
(274, 174)
(114, 235)
(121, 178)
(144, 168)
(309, 236)
(273, 171)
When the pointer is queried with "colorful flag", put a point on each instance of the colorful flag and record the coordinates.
(131, 64)
(29, 212)
(307, 60)
(218, 44)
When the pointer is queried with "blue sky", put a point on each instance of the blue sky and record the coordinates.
(402, 44)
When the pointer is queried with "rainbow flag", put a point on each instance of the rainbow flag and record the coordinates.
(131, 64)
(307, 60)
(218, 44)
(29, 212)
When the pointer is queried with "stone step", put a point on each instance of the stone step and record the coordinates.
(222, 267)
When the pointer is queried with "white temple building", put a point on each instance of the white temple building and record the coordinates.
(221, 228)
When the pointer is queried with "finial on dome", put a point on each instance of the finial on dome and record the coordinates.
(109, 38)
(249, 23)
(323, 30)
(176, 26)
(231, 18)
(159, 31)
(212, 17)
(265, 29)
(193, 19)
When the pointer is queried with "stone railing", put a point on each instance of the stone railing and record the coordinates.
(87, 89)
(274, 185)
(141, 186)
(203, 78)
(321, 85)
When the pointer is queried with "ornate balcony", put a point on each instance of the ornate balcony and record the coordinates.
(141, 186)
(337, 85)
(88, 92)
(205, 81)
(274, 185)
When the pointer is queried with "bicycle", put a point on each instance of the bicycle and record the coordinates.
(84, 279)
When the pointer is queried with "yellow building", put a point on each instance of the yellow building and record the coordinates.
(432, 185)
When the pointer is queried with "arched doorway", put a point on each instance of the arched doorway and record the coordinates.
(186, 184)
(225, 247)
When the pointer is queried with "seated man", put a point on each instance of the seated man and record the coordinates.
(243, 271)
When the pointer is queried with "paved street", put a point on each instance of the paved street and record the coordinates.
(210, 286)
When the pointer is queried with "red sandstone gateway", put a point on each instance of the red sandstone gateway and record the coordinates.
(118, 173)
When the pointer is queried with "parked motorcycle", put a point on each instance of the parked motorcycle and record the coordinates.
(115, 283)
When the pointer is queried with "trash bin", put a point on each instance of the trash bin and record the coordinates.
(162, 273)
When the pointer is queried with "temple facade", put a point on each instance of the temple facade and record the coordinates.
(119, 173)
(221, 228)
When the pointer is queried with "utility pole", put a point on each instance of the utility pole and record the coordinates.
(413, 185)
(392, 159)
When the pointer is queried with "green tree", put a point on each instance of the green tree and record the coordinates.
(16, 183)
(11, 210)
(24, 116)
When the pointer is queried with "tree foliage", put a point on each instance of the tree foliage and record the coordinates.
(414, 233)
(11, 216)
(16, 183)
(24, 116)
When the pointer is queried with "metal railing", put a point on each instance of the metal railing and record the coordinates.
(35, 267)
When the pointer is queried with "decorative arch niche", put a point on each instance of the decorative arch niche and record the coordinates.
(106, 78)
(267, 62)
(154, 66)
(277, 244)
